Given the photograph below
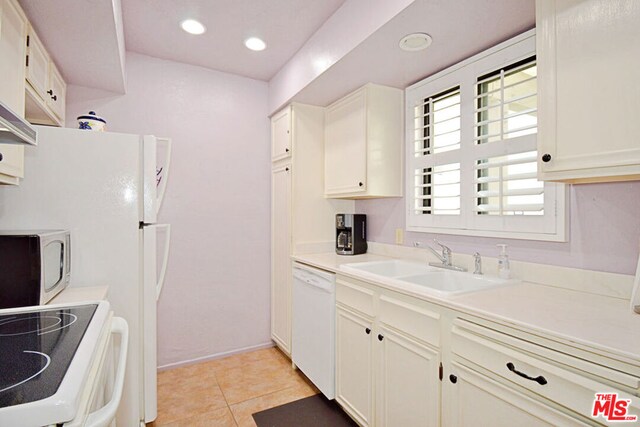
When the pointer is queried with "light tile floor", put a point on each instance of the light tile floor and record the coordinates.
(225, 392)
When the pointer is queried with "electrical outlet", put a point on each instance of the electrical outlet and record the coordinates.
(399, 236)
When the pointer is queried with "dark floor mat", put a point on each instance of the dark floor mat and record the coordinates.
(314, 411)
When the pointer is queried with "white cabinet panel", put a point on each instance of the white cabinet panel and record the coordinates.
(11, 161)
(13, 32)
(37, 66)
(281, 278)
(363, 144)
(45, 88)
(281, 134)
(475, 400)
(589, 63)
(354, 364)
(346, 145)
(407, 383)
(58, 88)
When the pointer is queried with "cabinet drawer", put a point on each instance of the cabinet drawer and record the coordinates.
(411, 319)
(12, 162)
(356, 297)
(561, 378)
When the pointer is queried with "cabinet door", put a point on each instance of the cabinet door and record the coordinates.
(345, 145)
(474, 400)
(281, 278)
(13, 31)
(588, 67)
(354, 363)
(11, 163)
(58, 88)
(407, 382)
(281, 135)
(37, 66)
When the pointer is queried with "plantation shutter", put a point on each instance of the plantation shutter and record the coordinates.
(472, 150)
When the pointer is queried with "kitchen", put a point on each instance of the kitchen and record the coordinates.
(134, 67)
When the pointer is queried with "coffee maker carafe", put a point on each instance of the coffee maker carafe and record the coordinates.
(351, 234)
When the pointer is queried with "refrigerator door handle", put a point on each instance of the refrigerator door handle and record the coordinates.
(165, 257)
(162, 170)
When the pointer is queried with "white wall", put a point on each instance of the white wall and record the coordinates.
(216, 295)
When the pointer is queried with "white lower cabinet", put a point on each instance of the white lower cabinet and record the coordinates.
(386, 374)
(407, 385)
(354, 365)
(475, 400)
(281, 279)
(402, 361)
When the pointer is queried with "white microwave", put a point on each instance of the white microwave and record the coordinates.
(34, 266)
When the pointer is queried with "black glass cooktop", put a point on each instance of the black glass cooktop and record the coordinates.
(36, 349)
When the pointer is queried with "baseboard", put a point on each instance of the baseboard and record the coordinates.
(216, 356)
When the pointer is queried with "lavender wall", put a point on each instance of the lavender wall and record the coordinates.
(216, 294)
(604, 232)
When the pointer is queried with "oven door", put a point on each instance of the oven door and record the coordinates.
(103, 389)
(55, 263)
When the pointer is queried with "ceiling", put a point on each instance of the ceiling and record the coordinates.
(459, 30)
(87, 38)
(152, 27)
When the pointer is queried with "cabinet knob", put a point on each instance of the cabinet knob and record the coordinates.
(546, 157)
(360, 184)
(50, 91)
(286, 169)
(1, 157)
(286, 150)
(54, 97)
(453, 378)
(380, 337)
(368, 331)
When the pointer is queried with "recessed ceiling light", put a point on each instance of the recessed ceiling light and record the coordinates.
(192, 26)
(415, 41)
(255, 43)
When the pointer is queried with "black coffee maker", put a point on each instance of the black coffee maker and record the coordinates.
(351, 234)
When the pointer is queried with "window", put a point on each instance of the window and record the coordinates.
(472, 155)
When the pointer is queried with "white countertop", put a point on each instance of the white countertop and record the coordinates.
(599, 323)
(73, 294)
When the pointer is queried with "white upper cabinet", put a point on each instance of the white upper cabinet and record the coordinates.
(45, 87)
(589, 96)
(363, 144)
(281, 134)
(37, 66)
(13, 33)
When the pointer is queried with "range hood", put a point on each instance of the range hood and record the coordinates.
(14, 129)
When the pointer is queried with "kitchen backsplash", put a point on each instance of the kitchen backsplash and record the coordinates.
(604, 230)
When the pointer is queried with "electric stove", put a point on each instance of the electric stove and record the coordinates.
(45, 356)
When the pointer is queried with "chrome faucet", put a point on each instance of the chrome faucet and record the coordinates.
(445, 258)
(478, 263)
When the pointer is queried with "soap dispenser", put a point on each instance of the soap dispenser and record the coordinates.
(504, 269)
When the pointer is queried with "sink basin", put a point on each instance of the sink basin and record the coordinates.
(433, 280)
(453, 282)
(391, 268)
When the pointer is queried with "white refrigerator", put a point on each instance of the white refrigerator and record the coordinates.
(107, 189)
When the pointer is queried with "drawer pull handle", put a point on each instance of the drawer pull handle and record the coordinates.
(539, 379)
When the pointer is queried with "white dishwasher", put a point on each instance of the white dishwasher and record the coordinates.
(313, 329)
